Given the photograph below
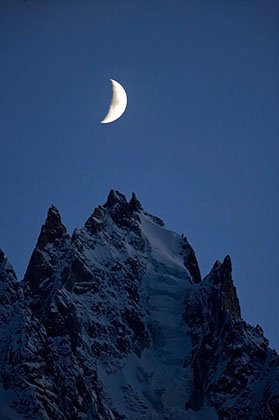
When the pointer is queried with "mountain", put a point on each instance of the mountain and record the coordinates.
(115, 322)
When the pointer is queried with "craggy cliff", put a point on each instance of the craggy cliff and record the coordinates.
(115, 322)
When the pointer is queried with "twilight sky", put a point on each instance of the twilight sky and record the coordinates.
(199, 142)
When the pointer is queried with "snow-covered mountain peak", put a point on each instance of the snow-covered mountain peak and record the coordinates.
(115, 323)
(121, 212)
(115, 197)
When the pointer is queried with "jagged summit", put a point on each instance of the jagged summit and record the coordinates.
(135, 203)
(225, 266)
(52, 229)
(115, 197)
(124, 213)
(5, 265)
(221, 276)
(116, 322)
(41, 277)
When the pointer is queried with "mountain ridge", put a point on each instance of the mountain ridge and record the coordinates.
(115, 322)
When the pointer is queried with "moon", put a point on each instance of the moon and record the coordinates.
(118, 103)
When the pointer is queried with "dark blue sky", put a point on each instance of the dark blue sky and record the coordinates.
(198, 142)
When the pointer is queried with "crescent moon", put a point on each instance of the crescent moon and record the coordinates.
(118, 103)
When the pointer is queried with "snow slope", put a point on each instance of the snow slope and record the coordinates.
(115, 322)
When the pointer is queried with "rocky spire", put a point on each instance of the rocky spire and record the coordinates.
(228, 291)
(134, 203)
(5, 265)
(52, 229)
(40, 278)
(221, 275)
(8, 281)
(228, 355)
(122, 212)
(95, 222)
(115, 197)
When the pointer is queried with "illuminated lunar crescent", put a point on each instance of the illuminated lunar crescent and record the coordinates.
(118, 103)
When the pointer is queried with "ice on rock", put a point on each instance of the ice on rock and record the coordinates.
(115, 323)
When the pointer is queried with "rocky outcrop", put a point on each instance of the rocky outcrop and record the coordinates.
(10, 302)
(230, 359)
(45, 269)
(52, 231)
(8, 282)
(190, 260)
(221, 277)
(116, 322)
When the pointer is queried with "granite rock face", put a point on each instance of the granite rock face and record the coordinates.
(233, 368)
(115, 322)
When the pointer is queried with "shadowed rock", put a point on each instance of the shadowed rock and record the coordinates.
(52, 229)
(115, 197)
(190, 261)
(134, 203)
(221, 275)
(41, 274)
(102, 330)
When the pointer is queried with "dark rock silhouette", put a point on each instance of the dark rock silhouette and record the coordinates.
(116, 322)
